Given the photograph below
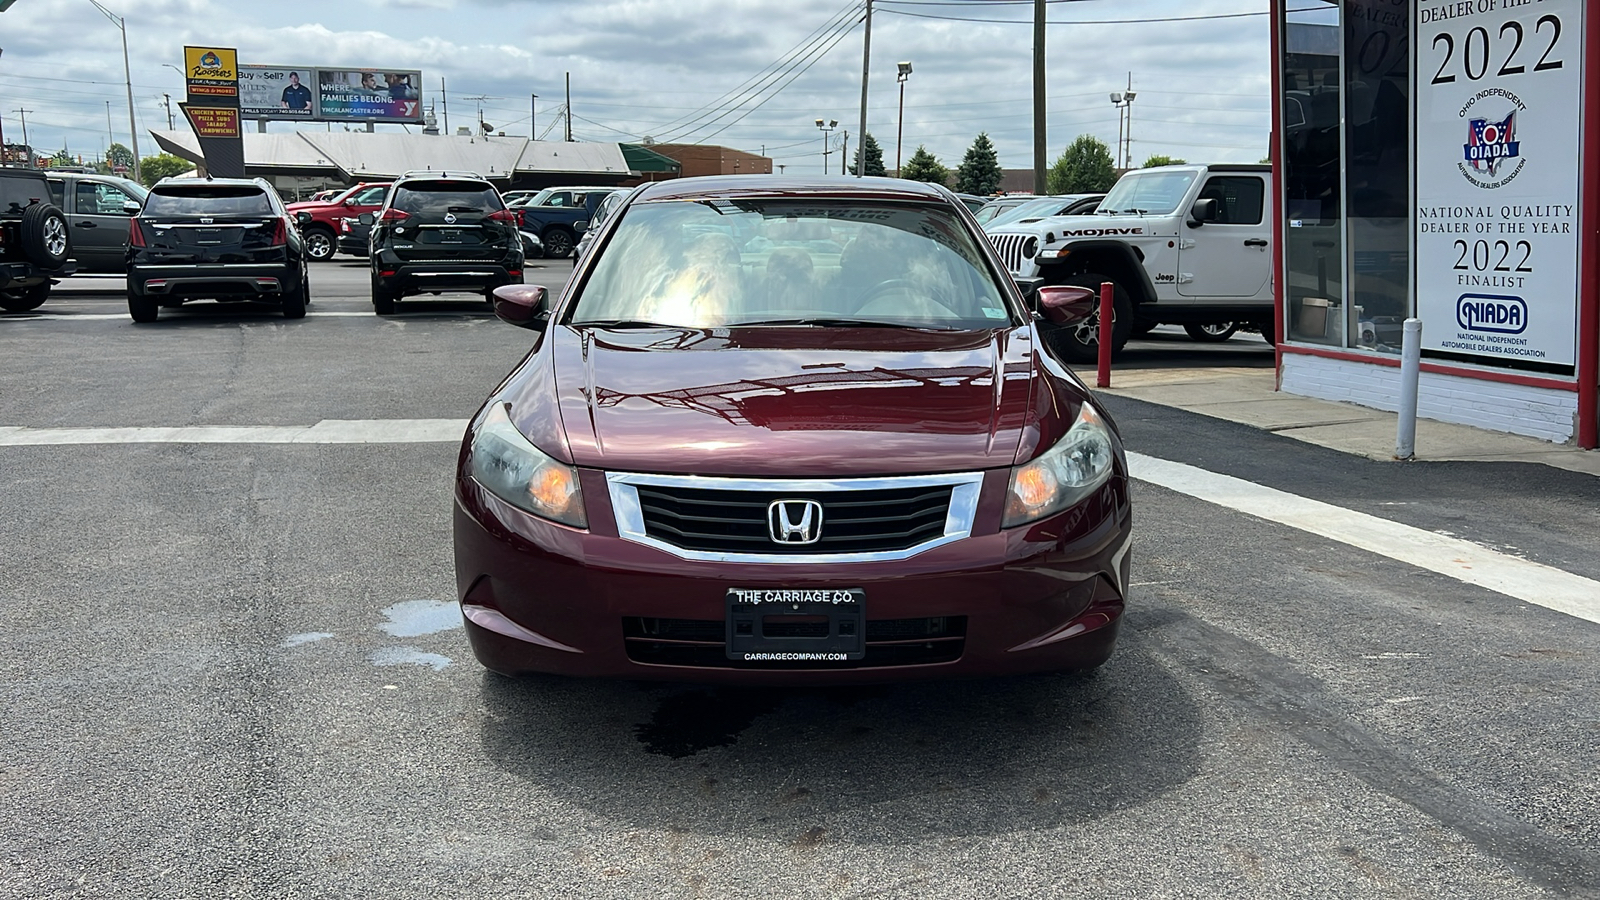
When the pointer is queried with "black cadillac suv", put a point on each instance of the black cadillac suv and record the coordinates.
(222, 238)
(34, 240)
(442, 231)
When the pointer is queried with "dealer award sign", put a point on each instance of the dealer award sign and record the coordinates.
(1498, 84)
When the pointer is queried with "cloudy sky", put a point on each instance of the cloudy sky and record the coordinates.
(690, 70)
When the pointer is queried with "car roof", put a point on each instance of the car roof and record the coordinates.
(171, 181)
(733, 187)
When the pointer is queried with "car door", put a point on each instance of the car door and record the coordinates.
(1228, 257)
(99, 224)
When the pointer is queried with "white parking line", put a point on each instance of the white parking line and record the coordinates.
(328, 431)
(1465, 561)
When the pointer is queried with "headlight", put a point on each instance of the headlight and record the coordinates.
(1064, 475)
(516, 471)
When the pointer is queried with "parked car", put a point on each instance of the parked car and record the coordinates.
(223, 238)
(1045, 207)
(559, 215)
(604, 208)
(441, 231)
(97, 208)
(739, 453)
(512, 197)
(353, 235)
(322, 232)
(999, 205)
(35, 241)
(972, 201)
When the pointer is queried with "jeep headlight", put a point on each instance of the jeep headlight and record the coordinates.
(1068, 472)
(509, 466)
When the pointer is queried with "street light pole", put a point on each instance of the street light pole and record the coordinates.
(127, 74)
(900, 129)
(1127, 152)
(827, 132)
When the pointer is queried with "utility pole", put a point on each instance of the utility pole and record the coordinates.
(110, 138)
(866, 59)
(127, 73)
(533, 110)
(1038, 99)
(844, 154)
(167, 98)
(444, 98)
(569, 107)
(2, 131)
(27, 148)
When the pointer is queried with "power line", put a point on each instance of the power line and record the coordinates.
(917, 15)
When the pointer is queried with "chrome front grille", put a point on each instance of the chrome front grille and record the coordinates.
(727, 518)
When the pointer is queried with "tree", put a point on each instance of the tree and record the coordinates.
(1157, 159)
(162, 165)
(979, 172)
(924, 166)
(62, 158)
(1083, 168)
(120, 155)
(874, 157)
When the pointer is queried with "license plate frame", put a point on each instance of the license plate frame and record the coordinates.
(785, 624)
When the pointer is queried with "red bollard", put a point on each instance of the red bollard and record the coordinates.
(1107, 315)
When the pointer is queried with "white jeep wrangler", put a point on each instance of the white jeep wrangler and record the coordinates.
(1184, 245)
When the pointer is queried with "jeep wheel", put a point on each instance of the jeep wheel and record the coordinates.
(24, 299)
(1080, 343)
(45, 239)
(320, 244)
(1214, 333)
(143, 309)
(557, 243)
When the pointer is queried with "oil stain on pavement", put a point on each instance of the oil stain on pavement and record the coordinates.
(684, 724)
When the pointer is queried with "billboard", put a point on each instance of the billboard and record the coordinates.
(369, 94)
(211, 71)
(277, 92)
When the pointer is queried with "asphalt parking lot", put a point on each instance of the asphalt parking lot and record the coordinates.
(235, 668)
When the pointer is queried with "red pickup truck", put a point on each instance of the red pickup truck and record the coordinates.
(322, 232)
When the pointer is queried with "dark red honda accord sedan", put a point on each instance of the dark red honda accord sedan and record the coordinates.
(786, 431)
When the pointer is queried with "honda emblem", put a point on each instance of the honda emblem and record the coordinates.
(794, 521)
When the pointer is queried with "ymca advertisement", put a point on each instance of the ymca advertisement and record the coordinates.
(361, 94)
(1498, 159)
(277, 92)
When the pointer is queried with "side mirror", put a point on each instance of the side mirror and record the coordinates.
(303, 218)
(1202, 212)
(131, 207)
(580, 226)
(523, 305)
(364, 218)
(1066, 304)
(350, 202)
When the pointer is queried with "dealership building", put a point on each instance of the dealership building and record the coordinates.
(1440, 159)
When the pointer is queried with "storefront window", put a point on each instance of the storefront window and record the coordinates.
(1377, 162)
(1313, 207)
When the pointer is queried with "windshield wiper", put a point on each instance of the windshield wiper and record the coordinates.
(621, 323)
(825, 322)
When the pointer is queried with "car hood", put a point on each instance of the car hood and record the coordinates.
(803, 402)
(313, 206)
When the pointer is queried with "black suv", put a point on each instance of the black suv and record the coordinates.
(225, 238)
(442, 231)
(34, 240)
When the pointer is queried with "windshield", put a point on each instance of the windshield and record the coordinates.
(723, 263)
(208, 200)
(1154, 193)
(1044, 206)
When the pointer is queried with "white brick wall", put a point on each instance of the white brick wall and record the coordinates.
(1493, 405)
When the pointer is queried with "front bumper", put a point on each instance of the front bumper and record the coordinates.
(539, 597)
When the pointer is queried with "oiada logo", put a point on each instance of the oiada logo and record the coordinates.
(1492, 313)
(1492, 147)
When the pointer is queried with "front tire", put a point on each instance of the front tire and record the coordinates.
(25, 299)
(143, 309)
(1214, 333)
(1081, 343)
(320, 244)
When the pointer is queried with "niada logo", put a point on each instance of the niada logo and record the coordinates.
(1492, 313)
(1492, 141)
